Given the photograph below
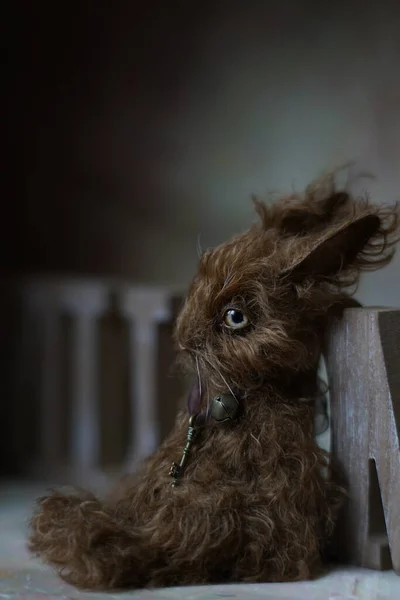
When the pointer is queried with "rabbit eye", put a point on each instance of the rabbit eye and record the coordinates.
(235, 319)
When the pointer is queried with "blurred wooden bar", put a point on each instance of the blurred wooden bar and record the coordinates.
(144, 309)
(85, 305)
(363, 361)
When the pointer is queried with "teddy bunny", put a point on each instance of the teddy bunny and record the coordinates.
(238, 492)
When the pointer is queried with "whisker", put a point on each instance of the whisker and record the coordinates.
(255, 439)
(208, 399)
(222, 377)
(198, 375)
(226, 383)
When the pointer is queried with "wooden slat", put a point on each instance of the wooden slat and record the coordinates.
(363, 361)
(171, 385)
(145, 308)
(114, 381)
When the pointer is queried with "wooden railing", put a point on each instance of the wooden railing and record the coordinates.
(94, 362)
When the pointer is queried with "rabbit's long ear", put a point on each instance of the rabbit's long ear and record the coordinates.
(301, 214)
(334, 253)
(326, 233)
(301, 219)
(363, 243)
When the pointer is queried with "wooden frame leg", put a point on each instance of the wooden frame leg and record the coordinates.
(363, 362)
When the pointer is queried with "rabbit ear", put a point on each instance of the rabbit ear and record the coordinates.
(304, 219)
(294, 216)
(338, 250)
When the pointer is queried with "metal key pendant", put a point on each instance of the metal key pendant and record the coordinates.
(177, 468)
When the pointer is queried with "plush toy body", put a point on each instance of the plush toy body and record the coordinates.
(246, 499)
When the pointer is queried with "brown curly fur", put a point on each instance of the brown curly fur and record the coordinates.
(253, 504)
